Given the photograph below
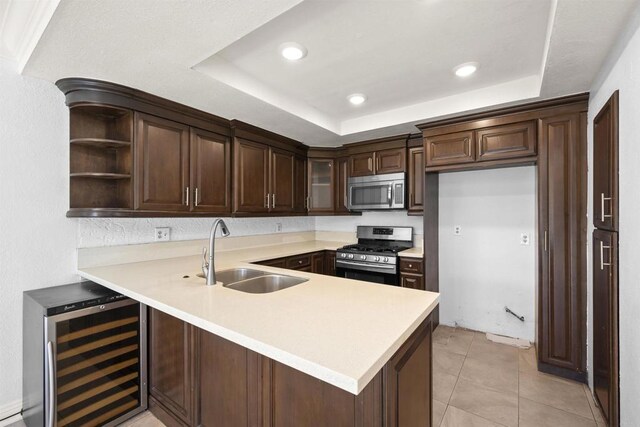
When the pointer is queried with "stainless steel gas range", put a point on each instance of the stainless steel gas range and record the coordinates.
(375, 257)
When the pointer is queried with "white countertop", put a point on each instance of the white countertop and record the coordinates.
(338, 330)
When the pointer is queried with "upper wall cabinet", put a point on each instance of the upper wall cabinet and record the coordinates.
(268, 172)
(385, 155)
(162, 164)
(135, 154)
(493, 144)
(415, 175)
(605, 166)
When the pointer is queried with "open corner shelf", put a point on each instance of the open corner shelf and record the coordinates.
(100, 142)
(100, 175)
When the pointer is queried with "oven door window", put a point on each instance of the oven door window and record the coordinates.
(373, 194)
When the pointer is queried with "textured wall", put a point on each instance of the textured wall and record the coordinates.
(624, 75)
(37, 242)
(129, 231)
(486, 267)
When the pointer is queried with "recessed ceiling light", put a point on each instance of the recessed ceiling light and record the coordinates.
(466, 69)
(293, 51)
(357, 98)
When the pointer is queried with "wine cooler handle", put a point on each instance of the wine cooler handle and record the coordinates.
(52, 384)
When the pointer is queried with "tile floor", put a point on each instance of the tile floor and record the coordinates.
(478, 383)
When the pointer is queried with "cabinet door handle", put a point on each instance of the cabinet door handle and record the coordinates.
(266, 203)
(370, 164)
(186, 199)
(545, 240)
(195, 198)
(602, 200)
(273, 200)
(602, 263)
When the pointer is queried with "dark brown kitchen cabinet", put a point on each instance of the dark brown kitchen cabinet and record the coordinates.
(321, 187)
(298, 261)
(562, 255)
(330, 263)
(605, 324)
(342, 176)
(317, 263)
(228, 381)
(362, 164)
(173, 382)
(506, 141)
(210, 172)
(411, 273)
(449, 149)
(300, 184)
(162, 164)
(251, 177)
(415, 180)
(282, 181)
(391, 161)
(605, 166)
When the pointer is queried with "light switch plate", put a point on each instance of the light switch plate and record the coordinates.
(163, 234)
(525, 239)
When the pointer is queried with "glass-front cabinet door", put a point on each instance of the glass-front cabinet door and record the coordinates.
(321, 185)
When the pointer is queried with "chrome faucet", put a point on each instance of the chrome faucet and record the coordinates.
(208, 267)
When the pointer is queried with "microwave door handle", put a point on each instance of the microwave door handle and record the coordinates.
(389, 198)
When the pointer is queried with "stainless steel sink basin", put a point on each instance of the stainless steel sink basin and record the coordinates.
(266, 284)
(235, 275)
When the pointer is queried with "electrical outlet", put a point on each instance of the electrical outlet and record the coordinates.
(278, 227)
(525, 239)
(163, 234)
(457, 230)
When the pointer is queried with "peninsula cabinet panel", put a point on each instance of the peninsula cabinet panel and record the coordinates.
(416, 180)
(562, 252)
(227, 383)
(162, 164)
(449, 149)
(251, 177)
(391, 161)
(172, 368)
(362, 164)
(210, 172)
(605, 166)
(330, 263)
(282, 181)
(317, 262)
(504, 142)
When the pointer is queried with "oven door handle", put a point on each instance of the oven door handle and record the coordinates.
(386, 267)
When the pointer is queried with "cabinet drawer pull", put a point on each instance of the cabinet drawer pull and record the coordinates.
(410, 265)
(195, 198)
(186, 199)
(602, 200)
(602, 263)
(299, 261)
(273, 200)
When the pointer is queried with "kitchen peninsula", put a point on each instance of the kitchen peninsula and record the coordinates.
(329, 351)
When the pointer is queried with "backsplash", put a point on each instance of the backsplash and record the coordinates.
(388, 218)
(96, 232)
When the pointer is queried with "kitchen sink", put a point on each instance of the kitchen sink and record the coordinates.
(235, 275)
(266, 283)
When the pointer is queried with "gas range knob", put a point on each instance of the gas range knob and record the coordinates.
(377, 258)
(343, 255)
(363, 257)
(386, 259)
(350, 256)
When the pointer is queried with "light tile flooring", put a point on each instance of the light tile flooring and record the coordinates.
(478, 383)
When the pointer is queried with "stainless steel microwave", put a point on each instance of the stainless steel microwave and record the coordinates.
(376, 192)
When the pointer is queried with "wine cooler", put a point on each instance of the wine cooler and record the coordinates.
(84, 356)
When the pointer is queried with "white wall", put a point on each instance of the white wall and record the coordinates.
(486, 268)
(623, 73)
(37, 242)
